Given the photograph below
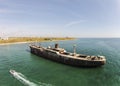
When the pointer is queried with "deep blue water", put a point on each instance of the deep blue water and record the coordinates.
(38, 71)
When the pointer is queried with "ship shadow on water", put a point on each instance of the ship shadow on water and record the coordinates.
(27, 50)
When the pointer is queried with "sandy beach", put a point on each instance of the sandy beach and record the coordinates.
(13, 43)
(29, 42)
(20, 40)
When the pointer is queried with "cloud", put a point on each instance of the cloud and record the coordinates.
(2, 0)
(5, 11)
(9, 6)
(118, 3)
(74, 23)
(8, 11)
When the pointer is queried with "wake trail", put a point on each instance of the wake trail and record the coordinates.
(23, 79)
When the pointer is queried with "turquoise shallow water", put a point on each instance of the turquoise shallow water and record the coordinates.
(43, 72)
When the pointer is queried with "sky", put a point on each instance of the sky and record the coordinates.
(60, 18)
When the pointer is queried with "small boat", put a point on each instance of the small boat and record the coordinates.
(12, 72)
(61, 55)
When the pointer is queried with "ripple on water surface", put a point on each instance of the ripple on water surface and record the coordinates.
(37, 69)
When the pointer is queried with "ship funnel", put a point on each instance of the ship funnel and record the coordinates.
(56, 46)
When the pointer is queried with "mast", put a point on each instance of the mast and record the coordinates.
(74, 49)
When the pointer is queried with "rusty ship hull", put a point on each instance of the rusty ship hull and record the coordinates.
(67, 58)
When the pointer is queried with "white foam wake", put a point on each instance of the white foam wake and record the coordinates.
(25, 81)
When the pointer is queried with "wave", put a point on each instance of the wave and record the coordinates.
(23, 79)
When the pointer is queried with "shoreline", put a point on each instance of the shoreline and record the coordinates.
(1, 44)
(13, 43)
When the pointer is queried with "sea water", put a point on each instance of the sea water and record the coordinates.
(37, 71)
